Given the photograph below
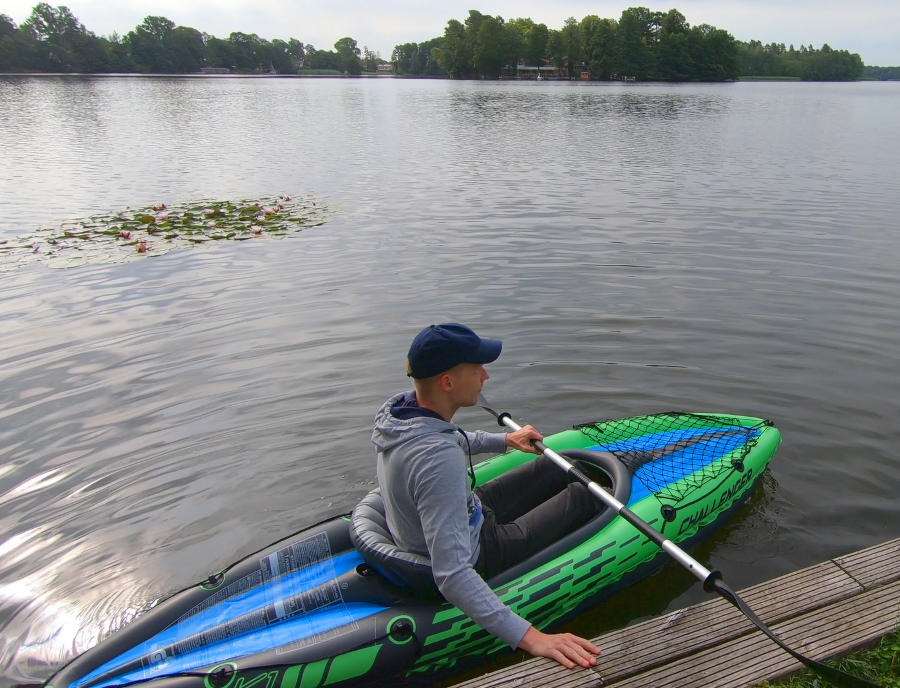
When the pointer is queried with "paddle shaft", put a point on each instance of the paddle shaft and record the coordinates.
(669, 547)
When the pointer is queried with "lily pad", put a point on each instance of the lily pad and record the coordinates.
(144, 232)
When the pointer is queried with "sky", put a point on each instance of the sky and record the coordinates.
(866, 27)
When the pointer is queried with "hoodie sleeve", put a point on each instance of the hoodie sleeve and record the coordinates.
(439, 490)
(483, 442)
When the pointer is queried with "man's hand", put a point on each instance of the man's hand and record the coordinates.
(522, 439)
(565, 648)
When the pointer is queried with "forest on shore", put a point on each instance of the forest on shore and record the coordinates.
(640, 45)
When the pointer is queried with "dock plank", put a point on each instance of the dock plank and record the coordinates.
(823, 611)
(873, 565)
(821, 634)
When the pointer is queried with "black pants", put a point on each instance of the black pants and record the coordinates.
(526, 510)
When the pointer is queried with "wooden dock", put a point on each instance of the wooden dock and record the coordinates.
(823, 611)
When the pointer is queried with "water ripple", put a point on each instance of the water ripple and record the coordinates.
(638, 249)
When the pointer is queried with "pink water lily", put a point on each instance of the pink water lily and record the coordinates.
(256, 229)
(159, 206)
(260, 218)
(141, 246)
(211, 224)
(162, 217)
(209, 212)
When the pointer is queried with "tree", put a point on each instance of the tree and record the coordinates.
(297, 51)
(827, 64)
(284, 58)
(514, 36)
(536, 44)
(487, 55)
(518, 31)
(219, 52)
(404, 57)
(455, 54)
(370, 59)
(417, 58)
(7, 26)
(118, 56)
(511, 44)
(321, 59)
(714, 53)
(249, 52)
(426, 58)
(637, 34)
(348, 55)
(188, 52)
(599, 40)
(572, 48)
(150, 45)
(17, 46)
(674, 62)
(61, 43)
(52, 23)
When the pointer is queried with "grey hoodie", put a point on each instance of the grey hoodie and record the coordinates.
(431, 509)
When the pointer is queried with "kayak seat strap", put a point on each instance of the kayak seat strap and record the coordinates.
(371, 537)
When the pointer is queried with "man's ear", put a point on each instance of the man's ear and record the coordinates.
(445, 381)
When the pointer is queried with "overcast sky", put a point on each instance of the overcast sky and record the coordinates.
(867, 27)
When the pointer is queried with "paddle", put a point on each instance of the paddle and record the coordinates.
(712, 580)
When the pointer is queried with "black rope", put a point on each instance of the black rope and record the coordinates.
(833, 674)
(469, 452)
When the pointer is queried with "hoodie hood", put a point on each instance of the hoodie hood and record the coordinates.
(401, 419)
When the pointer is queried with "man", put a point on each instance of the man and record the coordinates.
(430, 505)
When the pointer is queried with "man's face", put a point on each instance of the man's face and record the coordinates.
(468, 380)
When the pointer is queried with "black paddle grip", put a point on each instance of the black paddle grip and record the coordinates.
(641, 525)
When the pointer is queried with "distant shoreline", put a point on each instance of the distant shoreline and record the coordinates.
(372, 75)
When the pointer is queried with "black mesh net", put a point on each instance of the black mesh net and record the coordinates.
(674, 454)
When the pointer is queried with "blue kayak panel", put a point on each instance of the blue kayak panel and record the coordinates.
(682, 461)
(250, 607)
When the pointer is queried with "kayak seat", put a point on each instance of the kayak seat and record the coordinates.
(601, 467)
(370, 535)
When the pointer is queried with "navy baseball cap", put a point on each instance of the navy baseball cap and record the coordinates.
(440, 347)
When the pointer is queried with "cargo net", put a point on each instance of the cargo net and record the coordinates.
(674, 454)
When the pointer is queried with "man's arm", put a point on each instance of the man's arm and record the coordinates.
(441, 501)
(497, 442)
(439, 490)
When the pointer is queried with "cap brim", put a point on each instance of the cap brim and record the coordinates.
(488, 351)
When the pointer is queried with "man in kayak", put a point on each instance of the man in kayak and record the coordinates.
(430, 504)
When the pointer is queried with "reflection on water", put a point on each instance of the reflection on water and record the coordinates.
(638, 248)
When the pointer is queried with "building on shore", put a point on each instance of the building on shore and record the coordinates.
(545, 70)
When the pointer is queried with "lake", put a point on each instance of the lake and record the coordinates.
(638, 248)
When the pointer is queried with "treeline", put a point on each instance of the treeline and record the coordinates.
(881, 73)
(807, 63)
(52, 39)
(642, 44)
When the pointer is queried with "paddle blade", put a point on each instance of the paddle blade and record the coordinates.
(483, 403)
(836, 676)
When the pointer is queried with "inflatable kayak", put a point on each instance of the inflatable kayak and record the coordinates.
(326, 607)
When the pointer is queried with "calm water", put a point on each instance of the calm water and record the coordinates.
(638, 248)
